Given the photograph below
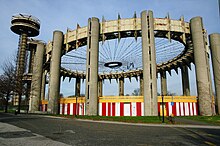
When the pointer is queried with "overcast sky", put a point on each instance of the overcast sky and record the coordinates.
(63, 14)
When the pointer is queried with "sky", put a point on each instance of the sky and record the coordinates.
(63, 14)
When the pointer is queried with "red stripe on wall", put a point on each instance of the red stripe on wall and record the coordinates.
(103, 109)
(109, 109)
(138, 108)
(78, 108)
(167, 107)
(68, 109)
(121, 109)
(179, 109)
(63, 108)
(189, 108)
(184, 109)
(130, 109)
(158, 106)
(113, 109)
(174, 109)
(74, 108)
(193, 109)
(197, 108)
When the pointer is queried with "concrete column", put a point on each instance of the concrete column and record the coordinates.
(100, 88)
(77, 87)
(141, 85)
(31, 58)
(163, 83)
(44, 75)
(37, 78)
(28, 93)
(154, 101)
(215, 51)
(32, 48)
(149, 64)
(54, 81)
(20, 69)
(208, 54)
(201, 66)
(21, 60)
(185, 81)
(121, 86)
(92, 67)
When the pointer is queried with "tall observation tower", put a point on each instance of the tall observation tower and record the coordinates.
(25, 26)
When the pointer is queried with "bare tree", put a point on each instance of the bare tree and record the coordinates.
(7, 81)
(136, 92)
(169, 93)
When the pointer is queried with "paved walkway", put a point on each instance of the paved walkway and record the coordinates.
(14, 136)
(185, 125)
(189, 122)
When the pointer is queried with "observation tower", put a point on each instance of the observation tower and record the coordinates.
(25, 26)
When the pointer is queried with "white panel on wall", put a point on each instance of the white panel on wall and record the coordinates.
(61, 108)
(134, 109)
(186, 108)
(100, 109)
(181, 108)
(194, 107)
(65, 109)
(117, 109)
(127, 111)
(170, 108)
(142, 109)
(177, 109)
(71, 108)
(80, 108)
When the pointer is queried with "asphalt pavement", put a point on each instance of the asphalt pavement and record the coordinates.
(26, 129)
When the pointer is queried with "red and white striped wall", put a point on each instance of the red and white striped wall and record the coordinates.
(72, 109)
(43, 107)
(129, 109)
(137, 109)
(182, 108)
(121, 109)
(129, 106)
(179, 108)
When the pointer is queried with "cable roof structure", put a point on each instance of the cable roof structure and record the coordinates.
(121, 56)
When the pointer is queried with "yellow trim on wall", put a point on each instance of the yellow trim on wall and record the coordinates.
(44, 102)
(72, 100)
(104, 99)
(121, 99)
(178, 99)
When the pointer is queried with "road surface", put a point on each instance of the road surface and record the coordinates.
(45, 130)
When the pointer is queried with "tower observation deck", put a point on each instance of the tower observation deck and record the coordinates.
(25, 26)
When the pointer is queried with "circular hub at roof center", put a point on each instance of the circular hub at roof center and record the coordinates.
(113, 64)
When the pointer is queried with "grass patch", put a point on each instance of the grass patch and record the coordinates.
(8, 111)
(146, 119)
